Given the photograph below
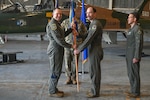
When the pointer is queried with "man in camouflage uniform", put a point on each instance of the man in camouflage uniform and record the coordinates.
(69, 61)
(133, 54)
(55, 51)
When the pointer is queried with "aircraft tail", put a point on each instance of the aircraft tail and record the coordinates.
(144, 9)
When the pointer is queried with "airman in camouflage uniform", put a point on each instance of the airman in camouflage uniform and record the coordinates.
(69, 61)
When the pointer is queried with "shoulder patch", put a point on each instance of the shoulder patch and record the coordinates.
(53, 26)
(129, 33)
(93, 27)
(139, 32)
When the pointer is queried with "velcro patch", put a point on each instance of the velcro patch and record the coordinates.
(129, 33)
(53, 26)
(139, 32)
(93, 27)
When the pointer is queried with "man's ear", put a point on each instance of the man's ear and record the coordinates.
(135, 19)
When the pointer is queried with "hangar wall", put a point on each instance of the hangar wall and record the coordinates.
(102, 3)
(116, 3)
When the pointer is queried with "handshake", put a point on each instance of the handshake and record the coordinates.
(76, 51)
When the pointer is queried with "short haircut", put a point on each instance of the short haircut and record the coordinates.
(136, 15)
(56, 9)
(94, 10)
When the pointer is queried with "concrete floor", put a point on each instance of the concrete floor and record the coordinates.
(29, 80)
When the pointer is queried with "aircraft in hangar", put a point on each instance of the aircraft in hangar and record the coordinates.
(114, 21)
(16, 20)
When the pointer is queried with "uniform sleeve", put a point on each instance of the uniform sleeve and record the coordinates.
(55, 32)
(68, 32)
(91, 34)
(66, 26)
(138, 43)
(82, 31)
(63, 24)
(48, 30)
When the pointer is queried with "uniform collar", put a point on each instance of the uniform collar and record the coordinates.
(56, 21)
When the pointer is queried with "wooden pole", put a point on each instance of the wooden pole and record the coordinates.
(77, 76)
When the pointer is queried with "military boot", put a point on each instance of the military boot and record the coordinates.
(74, 81)
(68, 81)
(58, 94)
